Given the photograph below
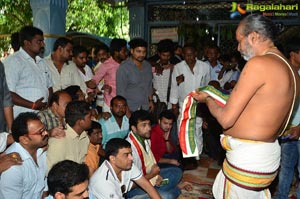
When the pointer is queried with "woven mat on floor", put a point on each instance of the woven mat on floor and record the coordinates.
(200, 191)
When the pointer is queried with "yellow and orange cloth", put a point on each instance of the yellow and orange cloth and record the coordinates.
(248, 170)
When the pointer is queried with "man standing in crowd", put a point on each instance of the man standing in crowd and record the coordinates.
(107, 71)
(290, 143)
(27, 74)
(6, 118)
(114, 178)
(75, 144)
(63, 71)
(68, 179)
(117, 126)
(101, 54)
(213, 54)
(187, 76)
(80, 57)
(163, 70)
(134, 78)
(26, 180)
(6, 105)
(250, 136)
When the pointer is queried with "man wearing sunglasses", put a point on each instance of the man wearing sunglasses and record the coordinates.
(26, 180)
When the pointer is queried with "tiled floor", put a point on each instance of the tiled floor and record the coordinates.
(202, 178)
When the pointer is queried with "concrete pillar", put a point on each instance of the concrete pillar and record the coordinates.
(50, 17)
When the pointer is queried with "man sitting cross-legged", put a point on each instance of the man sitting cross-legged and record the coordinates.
(117, 126)
(27, 180)
(163, 145)
(113, 178)
(165, 180)
(74, 145)
(95, 154)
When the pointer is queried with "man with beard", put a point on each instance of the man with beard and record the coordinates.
(107, 70)
(117, 126)
(63, 71)
(164, 180)
(74, 145)
(80, 56)
(163, 70)
(114, 178)
(27, 75)
(134, 78)
(163, 146)
(26, 180)
(255, 114)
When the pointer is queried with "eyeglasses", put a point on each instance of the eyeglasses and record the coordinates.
(40, 132)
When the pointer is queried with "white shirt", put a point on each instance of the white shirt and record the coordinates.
(28, 78)
(200, 78)
(104, 183)
(3, 141)
(229, 76)
(160, 83)
(148, 157)
(295, 118)
(26, 181)
(88, 73)
(68, 76)
(214, 71)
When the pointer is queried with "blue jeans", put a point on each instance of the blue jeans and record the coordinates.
(298, 168)
(290, 151)
(168, 191)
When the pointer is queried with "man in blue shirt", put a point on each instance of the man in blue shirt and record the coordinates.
(27, 180)
(117, 126)
(213, 54)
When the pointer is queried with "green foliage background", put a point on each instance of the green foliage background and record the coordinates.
(98, 17)
(90, 16)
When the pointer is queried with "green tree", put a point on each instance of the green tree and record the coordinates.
(13, 15)
(90, 16)
(98, 17)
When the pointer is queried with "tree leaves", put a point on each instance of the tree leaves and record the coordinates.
(90, 16)
(98, 17)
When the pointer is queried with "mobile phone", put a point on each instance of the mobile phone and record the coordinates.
(164, 181)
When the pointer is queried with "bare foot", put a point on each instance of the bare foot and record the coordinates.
(185, 185)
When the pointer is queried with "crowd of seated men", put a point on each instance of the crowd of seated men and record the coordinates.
(74, 126)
